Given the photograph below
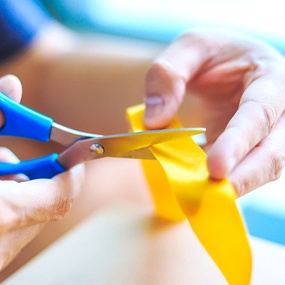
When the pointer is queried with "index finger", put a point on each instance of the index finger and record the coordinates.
(261, 106)
(167, 78)
(190, 54)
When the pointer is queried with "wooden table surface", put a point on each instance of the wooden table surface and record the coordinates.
(125, 244)
(111, 237)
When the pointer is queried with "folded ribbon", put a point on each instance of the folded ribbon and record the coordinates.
(181, 188)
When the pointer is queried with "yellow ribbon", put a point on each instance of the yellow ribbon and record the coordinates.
(181, 188)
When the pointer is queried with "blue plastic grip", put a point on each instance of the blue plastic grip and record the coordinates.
(43, 167)
(20, 121)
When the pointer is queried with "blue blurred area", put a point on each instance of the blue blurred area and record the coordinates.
(164, 20)
(263, 212)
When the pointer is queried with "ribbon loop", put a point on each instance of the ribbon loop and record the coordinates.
(181, 189)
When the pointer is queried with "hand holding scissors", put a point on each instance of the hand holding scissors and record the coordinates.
(21, 121)
(27, 206)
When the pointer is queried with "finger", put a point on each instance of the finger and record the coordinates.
(263, 164)
(11, 86)
(6, 155)
(13, 242)
(38, 201)
(167, 78)
(261, 106)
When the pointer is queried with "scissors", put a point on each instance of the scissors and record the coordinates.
(21, 121)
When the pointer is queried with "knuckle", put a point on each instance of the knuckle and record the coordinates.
(277, 162)
(270, 170)
(154, 71)
(242, 186)
(195, 36)
(162, 68)
(163, 75)
(61, 209)
(203, 40)
(189, 37)
(268, 114)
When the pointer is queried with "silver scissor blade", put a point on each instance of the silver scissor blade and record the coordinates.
(67, 136)
(119, 145)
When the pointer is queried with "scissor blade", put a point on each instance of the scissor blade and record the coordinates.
(121, 145)
(141, 153)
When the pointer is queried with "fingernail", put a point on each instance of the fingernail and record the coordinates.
(154, 106)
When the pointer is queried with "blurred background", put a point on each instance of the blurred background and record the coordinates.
(164, 20)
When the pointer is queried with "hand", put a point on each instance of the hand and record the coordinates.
(240, 83)
(26, 206)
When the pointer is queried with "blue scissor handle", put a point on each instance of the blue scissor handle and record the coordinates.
(20, 121)
(43, 167)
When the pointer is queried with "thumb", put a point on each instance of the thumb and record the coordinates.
(165, 89)
(39, 201)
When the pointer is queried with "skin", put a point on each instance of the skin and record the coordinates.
(239, 82)
(240, 86)
(60, 79)
(26, 206)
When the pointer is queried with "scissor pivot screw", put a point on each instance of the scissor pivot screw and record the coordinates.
(97, 148)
